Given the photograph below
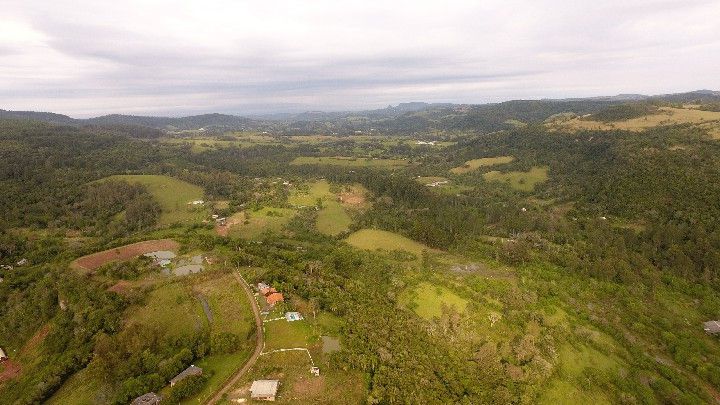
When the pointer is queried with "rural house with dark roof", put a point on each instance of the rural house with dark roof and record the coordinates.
(188, 372)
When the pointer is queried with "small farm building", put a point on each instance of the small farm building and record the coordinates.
(264, 390)
(3, 356)
(188, 372)
(293, 316)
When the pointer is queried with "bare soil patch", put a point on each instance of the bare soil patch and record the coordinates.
(9, 369)
(93, 261)
(352, 198)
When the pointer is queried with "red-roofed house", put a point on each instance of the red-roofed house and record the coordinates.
(274, 297)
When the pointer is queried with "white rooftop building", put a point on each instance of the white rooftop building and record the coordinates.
(264, 390)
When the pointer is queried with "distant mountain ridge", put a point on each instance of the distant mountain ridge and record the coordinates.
(402, 118)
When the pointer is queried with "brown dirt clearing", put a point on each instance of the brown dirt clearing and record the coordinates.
(93, 261)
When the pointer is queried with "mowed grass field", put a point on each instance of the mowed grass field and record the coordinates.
(348, 161)
(472, 165)
(427, 300)
(521, 181)
(373, 239)
(173, 196)
(266, 219)
(282, 334)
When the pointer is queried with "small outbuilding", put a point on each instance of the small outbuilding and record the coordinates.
(712, 327)
(293, 316)
(150, 398)
(191, 371)
(3, 356)
(264, 390)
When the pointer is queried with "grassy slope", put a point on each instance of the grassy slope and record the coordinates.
(262, 220)
(333, 219)
(231, 313)
(521, 181)
(475, 164)
(373, 239)
(170, 307)
(173, 196)
(427, 300)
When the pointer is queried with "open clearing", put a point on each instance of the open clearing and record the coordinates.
(521, 181)
(665, 116)
(349, 161)
(333, 219)
(308, 195)
(333, 386)
(374, 239)
(427, 300)
(265, 219)
(475, 164)
(127, 252)
(568, 387)
(172, 194)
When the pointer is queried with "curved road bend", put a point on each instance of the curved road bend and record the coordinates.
(259, 344)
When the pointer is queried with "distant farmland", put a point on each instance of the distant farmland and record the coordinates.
(475, 164)
(350, 162)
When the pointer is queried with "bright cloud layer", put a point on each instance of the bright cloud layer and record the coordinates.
(184, 57)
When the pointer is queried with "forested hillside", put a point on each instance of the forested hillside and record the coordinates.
(456, 258)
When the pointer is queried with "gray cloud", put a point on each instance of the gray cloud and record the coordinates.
(166, 57)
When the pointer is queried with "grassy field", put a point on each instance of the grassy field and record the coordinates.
(173, 196)
(568, 387)
(285, 335)
(665, 116)
(373, 239)
(231, 312)
(333, 219)
(265, 219)
(172, 308)
(427, 300)
(475, 164)
(521, 181)
(310, 193)
(348, 161)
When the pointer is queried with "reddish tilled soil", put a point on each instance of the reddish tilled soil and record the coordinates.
(127, 252)
(9, 370)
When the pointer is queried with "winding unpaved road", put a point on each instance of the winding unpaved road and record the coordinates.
(259, 344)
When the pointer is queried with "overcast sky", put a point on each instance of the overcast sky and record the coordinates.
(84, 58)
